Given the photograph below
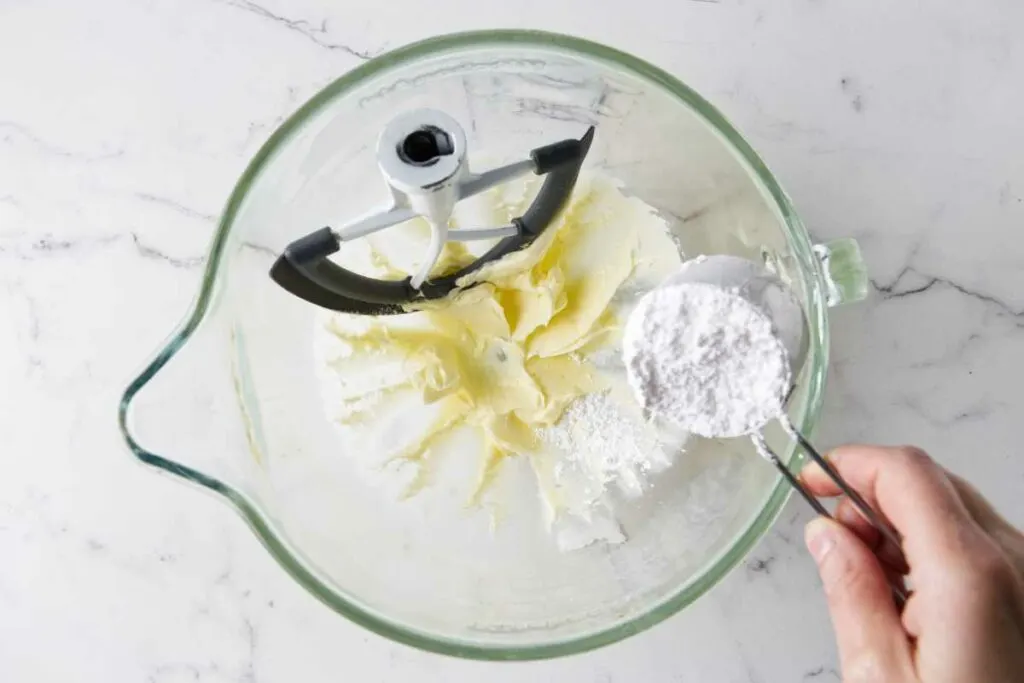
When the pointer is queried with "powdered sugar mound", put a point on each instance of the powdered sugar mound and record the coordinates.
(604, 446)
(707, 359)
(612, 447)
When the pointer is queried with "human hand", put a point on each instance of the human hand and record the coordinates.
(964, 621)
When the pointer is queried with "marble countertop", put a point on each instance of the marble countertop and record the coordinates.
(124, 125)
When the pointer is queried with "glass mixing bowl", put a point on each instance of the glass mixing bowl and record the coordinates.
(231, 403)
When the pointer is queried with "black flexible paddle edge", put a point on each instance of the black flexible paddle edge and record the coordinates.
(305, 270)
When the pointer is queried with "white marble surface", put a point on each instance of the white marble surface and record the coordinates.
(123, 126)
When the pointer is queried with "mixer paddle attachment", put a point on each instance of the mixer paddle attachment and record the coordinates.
(423, 157)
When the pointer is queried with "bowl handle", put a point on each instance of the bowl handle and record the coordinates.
(843, 271)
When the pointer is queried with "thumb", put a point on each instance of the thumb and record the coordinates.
(872, 643)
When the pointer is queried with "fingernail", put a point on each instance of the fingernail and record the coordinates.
(848, 516)
(819, 538)
(812, 469)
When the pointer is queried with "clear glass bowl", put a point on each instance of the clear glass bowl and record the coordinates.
(231, 402)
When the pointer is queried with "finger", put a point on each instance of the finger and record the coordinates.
(847, 513)
(909, 489)
(890, 554)
(979, 508)
(867, 624)
(1004, 533)
(896, 580)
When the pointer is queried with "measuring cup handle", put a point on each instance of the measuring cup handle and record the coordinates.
(843, 271)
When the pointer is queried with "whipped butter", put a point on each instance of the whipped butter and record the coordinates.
(505, 356)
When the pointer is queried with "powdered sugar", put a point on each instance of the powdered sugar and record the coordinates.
(710, 352)
(708, 356)
(604, 448)
(608, 445)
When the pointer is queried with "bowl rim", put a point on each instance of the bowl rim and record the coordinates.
(289, 557)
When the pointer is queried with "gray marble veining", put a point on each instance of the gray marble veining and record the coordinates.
(123, 126)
